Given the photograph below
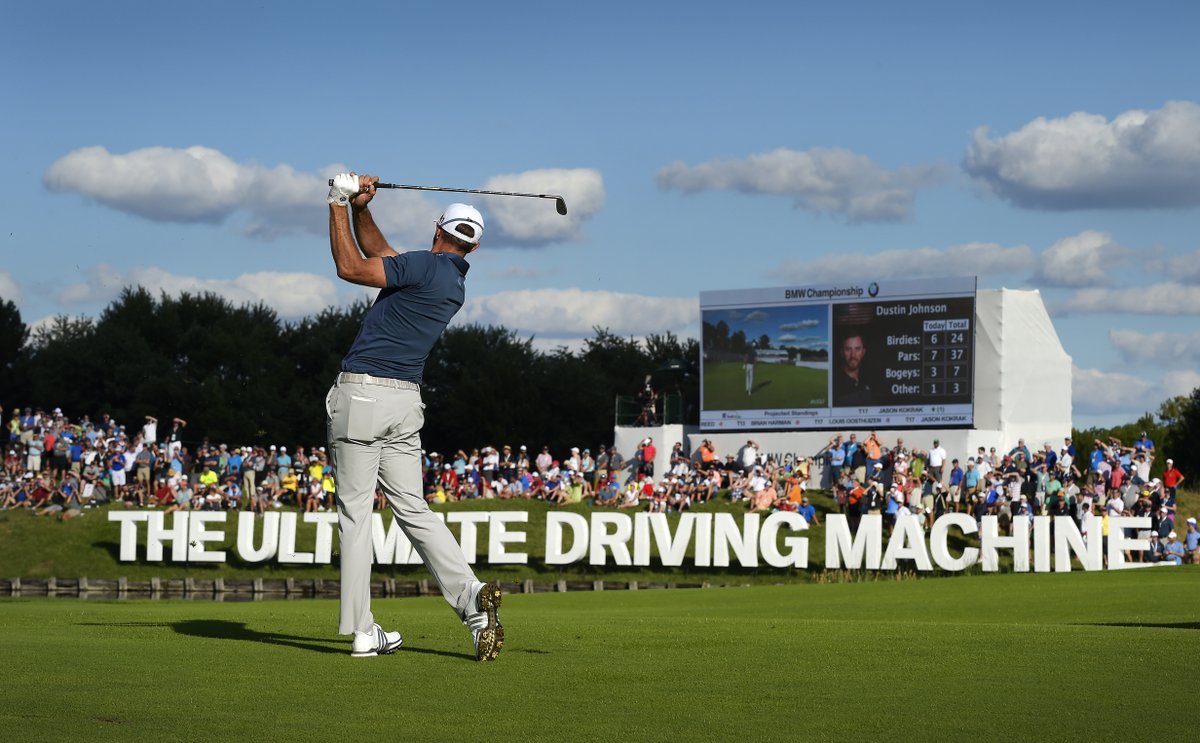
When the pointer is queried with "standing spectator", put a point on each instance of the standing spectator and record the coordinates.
(749, 457)
(1166, 523)
(143, 461)
(283, 462)
(116, 472)
(1172, 477)
(544, 461)
(937, 459)
(616, 462)
(33, 454)
(175, 438)
(600, 472)
(150, 430)
(649, 452)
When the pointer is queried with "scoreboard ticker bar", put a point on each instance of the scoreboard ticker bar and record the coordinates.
(882, 354)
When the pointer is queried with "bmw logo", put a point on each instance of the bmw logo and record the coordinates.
(873, 289)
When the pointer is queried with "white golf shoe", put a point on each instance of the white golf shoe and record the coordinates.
(375, 642)
(485, 625)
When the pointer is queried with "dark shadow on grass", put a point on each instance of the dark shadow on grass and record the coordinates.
(219, 629)
(759, 386)
(112, 548)
(1155, 625)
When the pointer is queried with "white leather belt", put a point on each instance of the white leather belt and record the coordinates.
(400, 384)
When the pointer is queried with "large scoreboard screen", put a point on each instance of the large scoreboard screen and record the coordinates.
(886, 354)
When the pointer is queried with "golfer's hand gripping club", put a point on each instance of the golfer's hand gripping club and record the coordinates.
(342, 188)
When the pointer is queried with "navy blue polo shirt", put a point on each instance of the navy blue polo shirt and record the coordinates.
(424, 290)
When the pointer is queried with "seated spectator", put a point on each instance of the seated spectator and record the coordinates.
(807, 510)
(1173, 549)
(183, 497)
(1192, 541)
(1155, 553)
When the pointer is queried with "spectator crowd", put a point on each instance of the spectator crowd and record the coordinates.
(58, 466)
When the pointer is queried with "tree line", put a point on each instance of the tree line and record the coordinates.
(240, 374)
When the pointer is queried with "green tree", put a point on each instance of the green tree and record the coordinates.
(1182, 434)
(13, 336)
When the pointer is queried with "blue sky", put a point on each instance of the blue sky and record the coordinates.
(700, 146)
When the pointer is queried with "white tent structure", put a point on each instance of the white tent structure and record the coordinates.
(1022, 391)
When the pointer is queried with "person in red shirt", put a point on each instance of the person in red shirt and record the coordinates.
(1172, 477)
(648, 452)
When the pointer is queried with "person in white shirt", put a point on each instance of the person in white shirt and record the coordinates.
(937, 458)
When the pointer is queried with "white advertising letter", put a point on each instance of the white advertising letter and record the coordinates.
(157, 533)
(939, 542)
(245, 538)
(198, 535)
(797, 554)
(615, 541)
(555, 520)
(743, 541)
(287, 541)
(839, 542)
(129, 531)
(907, 543)
(499, 535)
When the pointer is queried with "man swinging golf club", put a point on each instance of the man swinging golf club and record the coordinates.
(374, 410)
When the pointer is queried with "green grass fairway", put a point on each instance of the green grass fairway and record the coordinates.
(775, 386)
(1096, 656)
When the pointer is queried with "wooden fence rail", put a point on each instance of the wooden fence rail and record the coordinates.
(256, 589)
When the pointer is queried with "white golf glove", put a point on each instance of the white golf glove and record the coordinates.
(344, 188)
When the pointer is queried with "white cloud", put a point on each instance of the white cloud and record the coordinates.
(800, 325)
(970, 259)
(203, 185)
(573, 313)
(1096, 391)
(9, 288)
(536, 221)
(1140, 159)
(836, 180)
(1115, 394)
(1180, 382)
(1086, 259)
(291, 294)
(802, 341)
(1178, 267)
(1165, 298)
(1157, 348)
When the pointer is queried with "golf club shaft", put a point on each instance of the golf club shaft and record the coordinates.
(560, 203)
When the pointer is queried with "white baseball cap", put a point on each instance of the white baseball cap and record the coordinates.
(458, 215)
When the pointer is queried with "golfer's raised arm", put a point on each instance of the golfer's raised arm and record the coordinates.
(351, 265)
(370, 239)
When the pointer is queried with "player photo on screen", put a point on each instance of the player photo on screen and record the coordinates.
(855, 379)
(759, 358)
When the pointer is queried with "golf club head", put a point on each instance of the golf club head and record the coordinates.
(561, 205)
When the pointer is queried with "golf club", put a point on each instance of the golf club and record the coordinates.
(559, 203)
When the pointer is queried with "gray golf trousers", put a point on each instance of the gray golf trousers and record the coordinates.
(374, 428)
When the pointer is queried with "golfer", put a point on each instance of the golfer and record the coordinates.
(751, 354)
(374, 410)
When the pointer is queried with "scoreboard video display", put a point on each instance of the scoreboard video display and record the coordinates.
(880, 354)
